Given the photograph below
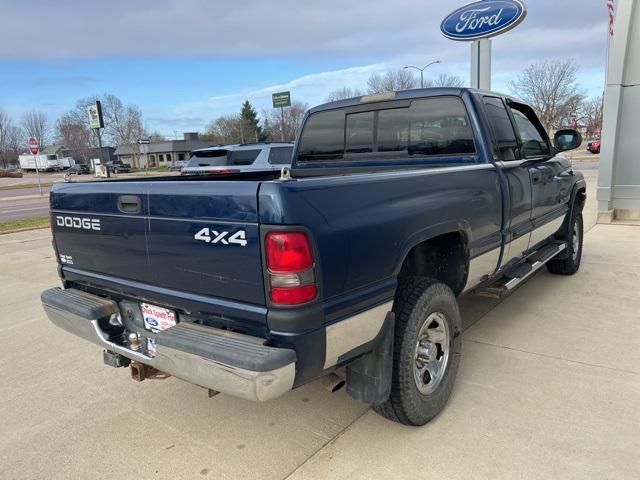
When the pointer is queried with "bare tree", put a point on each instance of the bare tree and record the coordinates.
(156, 136)
(391, 81)
(36, 124)
(552, 89)
(226, 129)
(342, 93)
(293, 116)
(73, 133)
(591, 115)
(122, 123)
(445, 80)
(11, 139)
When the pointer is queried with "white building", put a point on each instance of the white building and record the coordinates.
(619, 175)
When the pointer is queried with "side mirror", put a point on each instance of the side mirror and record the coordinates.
(567, 139)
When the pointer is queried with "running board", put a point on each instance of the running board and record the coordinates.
(521, 272)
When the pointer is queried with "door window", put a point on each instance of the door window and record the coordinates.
(502, 128)
(534, 144)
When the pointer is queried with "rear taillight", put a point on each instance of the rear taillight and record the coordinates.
(290, 265)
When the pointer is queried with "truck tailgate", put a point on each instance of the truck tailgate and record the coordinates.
(196, 237)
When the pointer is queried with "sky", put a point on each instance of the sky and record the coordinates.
(186, 62)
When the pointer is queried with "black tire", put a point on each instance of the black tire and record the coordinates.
(571, 264)
(418, 299)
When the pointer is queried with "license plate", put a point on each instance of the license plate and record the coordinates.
(157, 318)
(151, 347)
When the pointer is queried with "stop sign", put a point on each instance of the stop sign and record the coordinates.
(33, 145)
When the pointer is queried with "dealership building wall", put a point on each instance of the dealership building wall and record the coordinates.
(619, 173)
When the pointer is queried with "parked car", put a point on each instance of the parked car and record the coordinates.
(177, 165)
(117, 166)
(79, 169)
(239, 158)
(11, 171)
(594, 146)
(255, 283)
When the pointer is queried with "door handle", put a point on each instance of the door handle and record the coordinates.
(535, 175)
(129, 203)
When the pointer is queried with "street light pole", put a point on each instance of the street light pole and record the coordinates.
(421, 70)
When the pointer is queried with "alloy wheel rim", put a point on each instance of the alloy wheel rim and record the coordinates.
(575, 241)
(431, 353)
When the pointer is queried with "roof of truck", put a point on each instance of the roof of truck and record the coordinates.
(401, 95)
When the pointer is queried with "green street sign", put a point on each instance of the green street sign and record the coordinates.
(282, 99)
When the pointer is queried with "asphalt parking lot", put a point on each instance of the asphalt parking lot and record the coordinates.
(549, 387)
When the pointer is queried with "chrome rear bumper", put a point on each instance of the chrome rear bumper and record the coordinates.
(230, 363)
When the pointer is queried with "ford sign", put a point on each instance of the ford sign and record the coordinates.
(483, 19)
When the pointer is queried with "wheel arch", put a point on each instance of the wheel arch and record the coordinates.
(424, 252)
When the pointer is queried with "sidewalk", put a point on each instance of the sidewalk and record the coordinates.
(549, 386)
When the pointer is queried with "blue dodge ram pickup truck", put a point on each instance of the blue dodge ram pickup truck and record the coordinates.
(253, 284)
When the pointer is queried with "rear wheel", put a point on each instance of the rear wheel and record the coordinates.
(571, 264)
(426, 355)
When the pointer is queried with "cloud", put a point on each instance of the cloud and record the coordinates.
(356, 28)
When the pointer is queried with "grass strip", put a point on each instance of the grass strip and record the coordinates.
(24, 224)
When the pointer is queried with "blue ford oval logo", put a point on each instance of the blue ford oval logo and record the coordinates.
(152, 321)
(483, 19)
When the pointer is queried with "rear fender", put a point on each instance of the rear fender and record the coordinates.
(432, 231)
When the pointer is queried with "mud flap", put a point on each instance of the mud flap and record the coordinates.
(369, 377)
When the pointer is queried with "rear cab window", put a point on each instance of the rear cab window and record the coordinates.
(426, 127)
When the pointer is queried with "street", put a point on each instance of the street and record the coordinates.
(20, 199)
(23, 207)
(548, 386)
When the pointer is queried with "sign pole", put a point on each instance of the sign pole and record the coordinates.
(34, 148)
(282, 124)
(35, 160)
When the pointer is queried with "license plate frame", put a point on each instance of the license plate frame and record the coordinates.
(157, 318)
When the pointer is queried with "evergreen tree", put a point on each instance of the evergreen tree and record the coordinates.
(250, 125)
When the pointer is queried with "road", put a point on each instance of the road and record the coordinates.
(20, 192)
(24, 203)
(23, 208)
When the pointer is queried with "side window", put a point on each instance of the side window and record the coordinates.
(501, 127)
(533, 143)
(323, 137)
(242, 157)
(280, 155)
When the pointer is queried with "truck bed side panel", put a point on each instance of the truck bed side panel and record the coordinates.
(364, 224)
